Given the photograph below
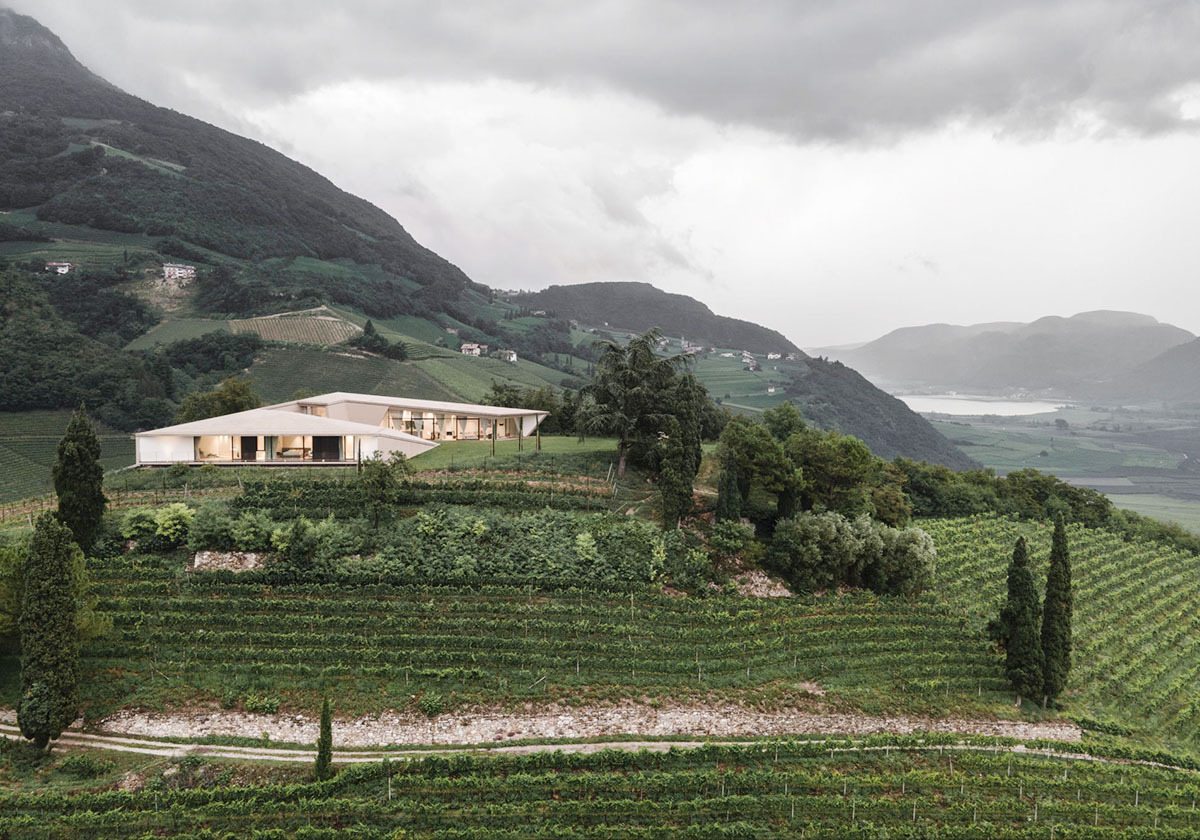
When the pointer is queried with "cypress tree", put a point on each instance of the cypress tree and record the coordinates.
(1056, 616)
(324, 768)
(1023, 662)
(79, 480)
(674, 485)
(729, 496)
(49, 700)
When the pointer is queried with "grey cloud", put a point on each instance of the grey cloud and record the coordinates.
(857, 69)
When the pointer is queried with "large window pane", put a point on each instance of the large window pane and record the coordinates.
(214, 448)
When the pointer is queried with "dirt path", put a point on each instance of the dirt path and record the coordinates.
(343, 756)
(561, 722)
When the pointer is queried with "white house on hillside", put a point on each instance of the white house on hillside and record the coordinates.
(59, 267)
(473, 349)
(336, 428)
(178, 271)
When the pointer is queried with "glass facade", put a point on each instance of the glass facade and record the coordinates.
(216, 448)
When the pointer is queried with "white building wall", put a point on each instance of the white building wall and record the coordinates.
(154, 449)
(372, 415)
(385, 446)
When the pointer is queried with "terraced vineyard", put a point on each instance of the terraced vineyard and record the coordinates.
(318, 326)
(226, 636)
(879, 787)
(28, 442)
(280, 372)
(1137, 617)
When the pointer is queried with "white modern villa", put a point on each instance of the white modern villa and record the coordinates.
(333, 429)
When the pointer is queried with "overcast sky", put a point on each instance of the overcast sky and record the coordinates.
(832, 170)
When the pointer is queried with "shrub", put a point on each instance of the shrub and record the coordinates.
(212, 528)
(172, 524)
(85, 766)
(816, 551)
(296, 543)
(431, 704)
(729, 538)
(252, 531)
(138, 524)
(264, 704)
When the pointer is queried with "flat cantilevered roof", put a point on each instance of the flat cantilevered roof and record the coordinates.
(414, 405)
(269, 421)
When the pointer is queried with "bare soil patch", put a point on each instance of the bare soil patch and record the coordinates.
(556, 721)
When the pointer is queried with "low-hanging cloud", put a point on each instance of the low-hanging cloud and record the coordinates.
(851, 70)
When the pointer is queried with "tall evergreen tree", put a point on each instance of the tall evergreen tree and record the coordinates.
(1056, 616)
(324, 766)
(1023, 661)
(79, 480)
(674, 484)
(729, 497)
(49, 700)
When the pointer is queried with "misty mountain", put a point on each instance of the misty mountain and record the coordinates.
(636, 307)
(1072, 356)
(1173, 376)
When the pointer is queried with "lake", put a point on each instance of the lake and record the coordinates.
(966, 405)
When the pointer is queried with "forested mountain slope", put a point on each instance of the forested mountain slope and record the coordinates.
(639, 306)
(84, 152)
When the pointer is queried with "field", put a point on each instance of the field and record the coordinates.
(28, 441)
(471, 378)
(876, 787)
(90, 254)
(180, 639)
(1185, 514)
(1136, 627)
(178, 329)
(1015, 444)
(281, 372)
(318, 326)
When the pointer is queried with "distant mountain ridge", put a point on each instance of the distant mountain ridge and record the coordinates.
(640, 306)
(1076, 356)
(829, 394)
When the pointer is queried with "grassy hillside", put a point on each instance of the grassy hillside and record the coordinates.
(28, 441)
(1137, 631)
